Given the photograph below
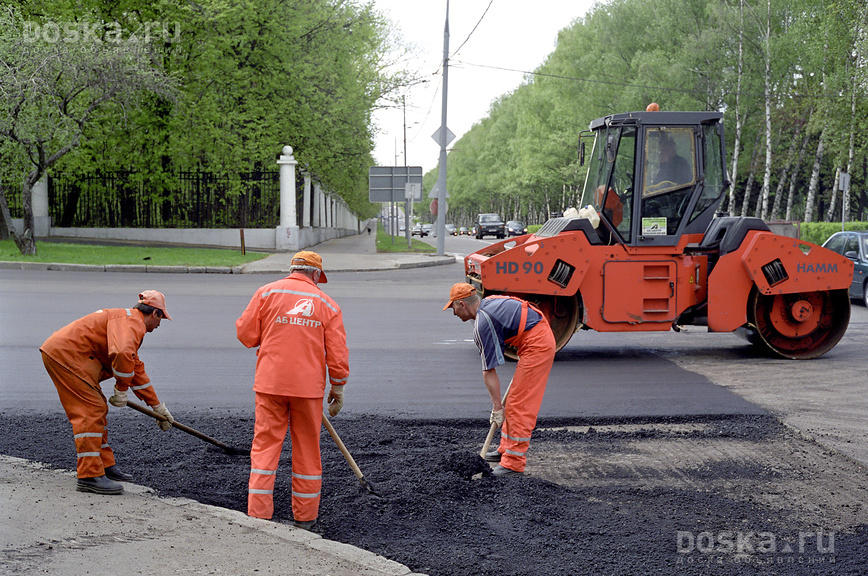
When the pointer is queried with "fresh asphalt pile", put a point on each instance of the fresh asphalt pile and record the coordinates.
(441, 513)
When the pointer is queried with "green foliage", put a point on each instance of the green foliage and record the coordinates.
(682, 54)
(254, 76)
(819, 232)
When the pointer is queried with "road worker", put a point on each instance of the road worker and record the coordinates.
(302, 344)
(501, 321)
(82, 354)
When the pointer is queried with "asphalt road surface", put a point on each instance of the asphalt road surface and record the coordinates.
(408, 358)
(656, 453)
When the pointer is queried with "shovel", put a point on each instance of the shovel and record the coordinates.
(226, 448)
(493, 428)
(347, 456)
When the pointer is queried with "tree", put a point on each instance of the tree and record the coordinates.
(50, 90)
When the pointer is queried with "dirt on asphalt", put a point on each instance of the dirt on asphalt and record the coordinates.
(740, 495)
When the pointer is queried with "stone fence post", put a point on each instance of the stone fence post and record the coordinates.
(286, 234)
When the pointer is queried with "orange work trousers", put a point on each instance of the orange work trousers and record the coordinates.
(536, 353)
(303, 416)
(86, 409)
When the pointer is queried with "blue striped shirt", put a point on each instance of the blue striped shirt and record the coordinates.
(497, 320)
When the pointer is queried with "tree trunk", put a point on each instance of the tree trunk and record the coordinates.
(815, 179)
(782, 180)
(6, 218)
(745, 202)
(767, 177)
(794, 176)
(845, 194)
(834, 199)
(735, 147)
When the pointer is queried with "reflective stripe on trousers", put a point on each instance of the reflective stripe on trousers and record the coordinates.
(86, 409)
(536, 353)
(303, 417)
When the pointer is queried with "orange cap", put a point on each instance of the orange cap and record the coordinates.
(308, 258)
(155, 299)
(459, 291)
(652, 107)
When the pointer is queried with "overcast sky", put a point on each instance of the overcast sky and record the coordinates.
(513, 34)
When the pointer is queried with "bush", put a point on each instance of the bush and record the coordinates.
(819, 232)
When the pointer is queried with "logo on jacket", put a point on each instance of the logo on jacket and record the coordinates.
(303, 307)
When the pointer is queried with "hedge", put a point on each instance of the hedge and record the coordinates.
(819, 232)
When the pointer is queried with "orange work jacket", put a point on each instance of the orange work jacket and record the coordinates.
(104, 344)
(300, 333)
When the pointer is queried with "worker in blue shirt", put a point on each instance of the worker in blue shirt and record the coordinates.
(501, 321)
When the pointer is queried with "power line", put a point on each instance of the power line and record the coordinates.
(688, 91)
(478, 22)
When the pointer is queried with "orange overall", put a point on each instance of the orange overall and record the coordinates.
(300, 334)
(81, 355)
(536, 353)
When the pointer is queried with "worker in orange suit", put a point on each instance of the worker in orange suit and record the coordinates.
(501, 321)
(302, 344)
(82, 354)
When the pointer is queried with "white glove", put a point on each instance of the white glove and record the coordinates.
(119, 398)
(164, 412)
(496, 417)
(336, 400)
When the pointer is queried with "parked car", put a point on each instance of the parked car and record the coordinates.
(450, 229)
(419, 231)
(489, 225)
(515, 228)
(853, 245)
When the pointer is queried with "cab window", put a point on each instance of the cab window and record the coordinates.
(668, 177)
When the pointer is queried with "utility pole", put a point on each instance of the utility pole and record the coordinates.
(441, 176)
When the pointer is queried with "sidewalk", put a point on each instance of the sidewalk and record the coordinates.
(348, 254)
(50, 528)
(351, 254)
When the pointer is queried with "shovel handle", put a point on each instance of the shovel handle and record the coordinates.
(349, 457)
(493, 428)
(178, 425)
(488, 440)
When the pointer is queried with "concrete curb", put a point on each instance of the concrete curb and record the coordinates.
(27, 481)
(61, 267)
(244, 269)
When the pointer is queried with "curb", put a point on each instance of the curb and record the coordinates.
(136, 268)
(364, 559)
(60, 267)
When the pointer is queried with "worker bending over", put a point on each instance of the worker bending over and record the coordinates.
(87, 351)
(501, 321)
(300, 333)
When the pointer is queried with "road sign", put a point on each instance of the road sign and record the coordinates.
(413, 191)
(449, 136)
(844, 182)
(388, 183)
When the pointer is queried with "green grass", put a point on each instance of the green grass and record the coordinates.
(141, 255)
(386, 243)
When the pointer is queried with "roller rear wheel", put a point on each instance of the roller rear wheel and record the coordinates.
(799, 326)
(562, 312)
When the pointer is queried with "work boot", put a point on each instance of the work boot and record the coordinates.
(309, 525)
(112, 473)
(492, 456)
(99, 485)
(501, 471)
